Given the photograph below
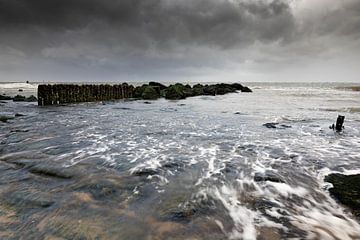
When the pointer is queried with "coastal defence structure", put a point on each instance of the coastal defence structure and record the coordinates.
(72, 93)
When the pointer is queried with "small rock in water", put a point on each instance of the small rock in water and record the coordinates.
(5, 118)
(270, 125)
(19, 98)
(276, 125)
(4, 97)
(268, 176)
(20, 90)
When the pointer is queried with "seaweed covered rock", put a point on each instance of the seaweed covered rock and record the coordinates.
(175, 92)
(32, 98)
(5, 118)
(19, 98)
(346, 190)
(156, 84)
(151, 93)
(4, 97)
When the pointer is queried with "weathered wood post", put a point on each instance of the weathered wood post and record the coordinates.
(339, 124)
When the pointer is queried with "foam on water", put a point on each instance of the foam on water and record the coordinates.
(205, 155)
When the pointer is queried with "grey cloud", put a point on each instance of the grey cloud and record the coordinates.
(158, 38)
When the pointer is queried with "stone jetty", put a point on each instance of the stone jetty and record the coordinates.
(73, 93)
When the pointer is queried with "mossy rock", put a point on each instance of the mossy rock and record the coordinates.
(3, 97)
(175, 92)
(346, 189)
(156, 84)
(5, 118)
(150, 93)
(32, 98)
(19, 98)
(138, 91)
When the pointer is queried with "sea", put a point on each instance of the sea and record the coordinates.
(201, 168)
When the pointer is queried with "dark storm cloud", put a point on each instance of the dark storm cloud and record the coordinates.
(166, 37)
(220, 23)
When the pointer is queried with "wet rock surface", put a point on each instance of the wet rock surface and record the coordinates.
(346, 189)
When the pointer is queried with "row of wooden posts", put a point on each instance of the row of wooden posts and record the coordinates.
(72, 93)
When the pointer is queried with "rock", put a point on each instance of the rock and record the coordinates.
(246, 89)
(270, 125)
(346, 190)
(51, 171)
(198, 90)
(5, 118)
(156, 84)
(276, 125)
(19, 115)
(145, 172)
(19, 98)
(150, 93)
(138, 91)
(268, 176)
(175, 92)
(237, 86)
(32, 98)
(28, 199)
(20, 90)
(146, 102)
(209, 90)
(4, 97)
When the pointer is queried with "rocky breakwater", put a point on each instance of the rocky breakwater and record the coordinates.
(178, 91)
(71, 93)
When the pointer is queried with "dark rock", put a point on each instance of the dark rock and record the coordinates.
(138, 91)
(150, 93)
(156, 84)
(145, 172)
(175, 92)
(32, 98)
(268, 176)
(20, 90)
(19, 98)
(276, 125)
(270, 125)
(3, 97)
(237, 86)
(246, 89)
(209, 90)
(19, 115)
(146, 102)
(19, 130)
(346, 190)
(5, 118)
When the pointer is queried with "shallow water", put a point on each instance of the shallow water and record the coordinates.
(200, 168)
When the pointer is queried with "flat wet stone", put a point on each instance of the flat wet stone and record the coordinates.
(28, 199)
(51, 171)
(276, 125)
(268, 176)
(346, 190)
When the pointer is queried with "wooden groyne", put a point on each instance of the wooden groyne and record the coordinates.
(72, 93)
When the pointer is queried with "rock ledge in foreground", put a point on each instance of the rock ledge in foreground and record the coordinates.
(346, 190)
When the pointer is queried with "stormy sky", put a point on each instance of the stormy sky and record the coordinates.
(180, 40)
